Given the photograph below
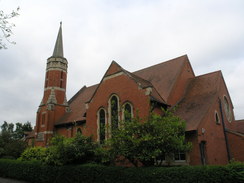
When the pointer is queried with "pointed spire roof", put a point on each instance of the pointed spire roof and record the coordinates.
(58, 49)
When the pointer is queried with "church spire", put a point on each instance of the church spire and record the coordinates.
(58, 49)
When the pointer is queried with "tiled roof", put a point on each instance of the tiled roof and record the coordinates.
(200, 95)
(77, 105)
(239, 126)
(163, 76)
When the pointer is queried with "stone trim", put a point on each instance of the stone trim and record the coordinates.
(234, 132)
(56, 69)
(55, 88)
(56, 63)
(113, 76)
(148, 91)
(52, 97)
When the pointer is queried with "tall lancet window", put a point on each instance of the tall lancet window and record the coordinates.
(114, 111)
(127, 112)
(102, 123)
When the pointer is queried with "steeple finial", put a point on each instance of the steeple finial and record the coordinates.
(58, 49)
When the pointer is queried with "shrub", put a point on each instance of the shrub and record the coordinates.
(34, 153)
(39, 173)
(77, 150)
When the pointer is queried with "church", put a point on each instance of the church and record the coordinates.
(202, 101)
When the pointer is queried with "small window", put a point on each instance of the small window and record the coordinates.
(43, 119)
(46, 83)
(127, 112)
(180, 156)
(62, 74)
(61, 83)
(79, 131)
(217, 120)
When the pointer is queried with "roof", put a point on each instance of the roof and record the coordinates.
(77, 105)
(164, 75)
(115, 68)
(239, 126)
(161, 78)
(201, 93)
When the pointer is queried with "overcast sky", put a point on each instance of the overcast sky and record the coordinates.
(135, 33)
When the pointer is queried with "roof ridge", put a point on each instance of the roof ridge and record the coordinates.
(177, 58)
(214, 72)
(177, 77)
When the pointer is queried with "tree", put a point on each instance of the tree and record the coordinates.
(7, 127)
(20, 129)
(6, 27)
(11, 141)
(151, 140)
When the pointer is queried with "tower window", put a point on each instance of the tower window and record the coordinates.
(46, 81)
(43, 119)
(61, 83)
(61, 79)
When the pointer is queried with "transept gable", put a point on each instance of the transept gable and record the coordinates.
(116, 70)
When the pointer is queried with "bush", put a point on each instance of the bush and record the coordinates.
(10, 147)
(34, 153)
(149, 140)
(39, 173)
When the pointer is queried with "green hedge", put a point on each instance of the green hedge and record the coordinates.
(34, 172)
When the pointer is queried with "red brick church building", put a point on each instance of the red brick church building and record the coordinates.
(202, 101)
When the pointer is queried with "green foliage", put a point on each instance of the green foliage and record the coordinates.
(77, 150)
(150, 140)
(21, 129)
(7, 127)
(10, 147)
(103, 155)
(63, 151)
(34, 154)
(14, 148)
(11, 141)
(38, 173)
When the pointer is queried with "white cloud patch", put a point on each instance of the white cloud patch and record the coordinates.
(136, 34)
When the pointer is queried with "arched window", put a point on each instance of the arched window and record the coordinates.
(78, 131)
(127, 112)
(101, 121)
(114, 111)
(217, 120)
(227, 109)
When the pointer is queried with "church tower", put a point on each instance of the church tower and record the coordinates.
(54, 103)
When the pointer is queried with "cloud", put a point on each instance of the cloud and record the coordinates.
(136, 34)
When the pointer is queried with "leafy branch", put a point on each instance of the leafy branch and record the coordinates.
(6, 27)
